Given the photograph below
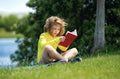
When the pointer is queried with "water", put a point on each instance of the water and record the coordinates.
(7, 47)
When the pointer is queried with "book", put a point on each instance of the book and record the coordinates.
(69, 38)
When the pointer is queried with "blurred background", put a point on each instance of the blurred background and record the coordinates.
(22, 21)
(10, 13)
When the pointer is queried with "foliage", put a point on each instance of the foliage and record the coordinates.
(79, 14)
(76, 15)
(113, 24)
(8, 22)
(27, 45)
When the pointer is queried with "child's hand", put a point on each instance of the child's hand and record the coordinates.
(62, 38)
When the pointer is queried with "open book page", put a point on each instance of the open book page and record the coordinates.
(69, 38)
(73, 32)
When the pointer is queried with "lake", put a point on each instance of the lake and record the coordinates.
(8, 46)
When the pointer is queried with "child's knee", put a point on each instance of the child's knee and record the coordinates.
(75, 51)
(48, 47)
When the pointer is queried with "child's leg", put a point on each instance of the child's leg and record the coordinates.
(50, 53)
(70, 53)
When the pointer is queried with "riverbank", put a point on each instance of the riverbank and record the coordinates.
(5, 34)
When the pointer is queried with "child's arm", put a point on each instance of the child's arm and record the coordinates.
(43, 41)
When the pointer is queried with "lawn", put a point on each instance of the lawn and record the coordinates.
(5, 34)
(105, 66)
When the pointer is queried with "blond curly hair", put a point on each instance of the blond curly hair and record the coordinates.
(54, 21)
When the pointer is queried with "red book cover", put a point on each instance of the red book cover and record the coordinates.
(69, 38)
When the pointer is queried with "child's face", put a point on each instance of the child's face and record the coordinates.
(54, 31)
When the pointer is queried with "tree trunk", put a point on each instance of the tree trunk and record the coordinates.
(99, 34)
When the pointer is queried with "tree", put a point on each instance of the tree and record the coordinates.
(99, 34)
(112, 32)
(79, 14)
(25, 55)
(7, 22)
(31, 29)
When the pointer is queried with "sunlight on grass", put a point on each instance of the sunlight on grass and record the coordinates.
(5, 34)
(100, 67)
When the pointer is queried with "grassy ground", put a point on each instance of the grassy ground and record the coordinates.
(105, 66)
(5, 34)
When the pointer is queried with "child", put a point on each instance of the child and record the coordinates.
(49, 40)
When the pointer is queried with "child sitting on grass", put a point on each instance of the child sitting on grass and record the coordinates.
(48, 42)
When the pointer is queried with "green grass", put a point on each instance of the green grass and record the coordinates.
(5, 34)
(105, 66)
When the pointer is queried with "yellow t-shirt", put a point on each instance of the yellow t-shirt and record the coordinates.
(46, 39)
